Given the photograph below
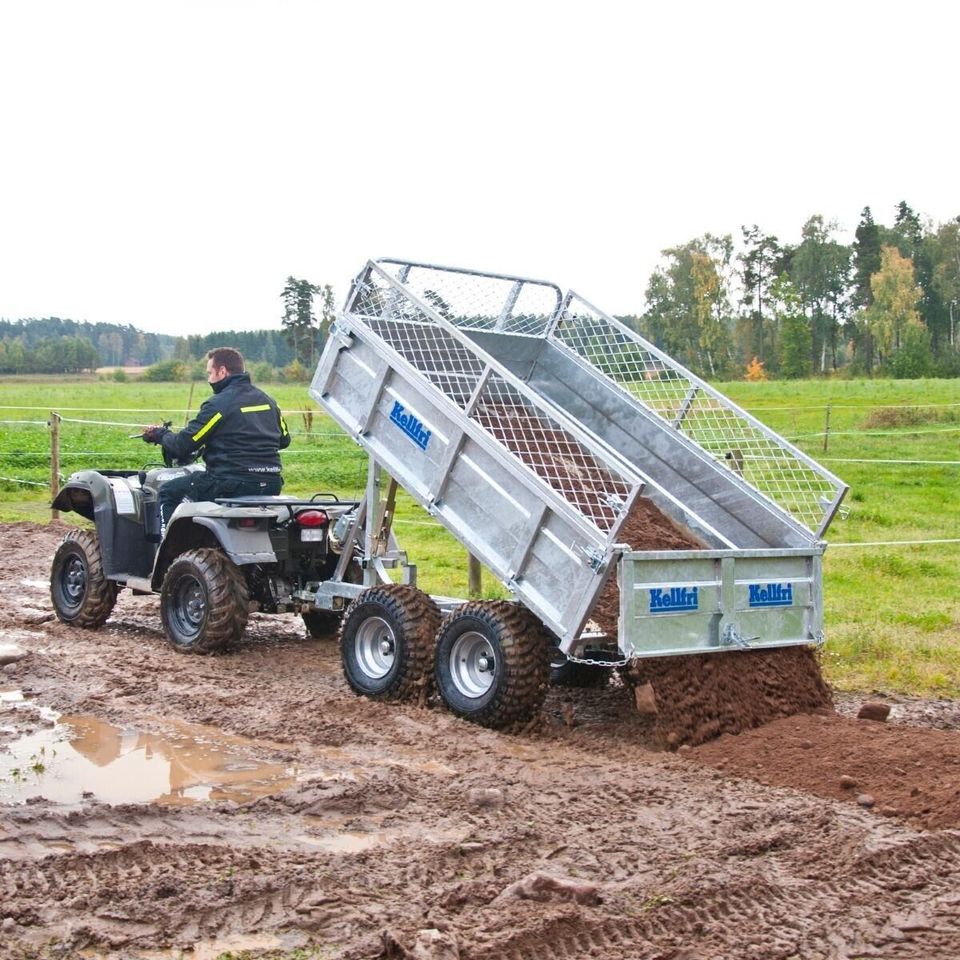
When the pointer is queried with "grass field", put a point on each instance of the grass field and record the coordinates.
(892, 610)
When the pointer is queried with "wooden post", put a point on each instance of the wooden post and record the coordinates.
(54, 459)
(186, 419)
(826, 430)
(473, 577)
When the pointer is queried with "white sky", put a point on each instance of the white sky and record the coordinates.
(168, 164)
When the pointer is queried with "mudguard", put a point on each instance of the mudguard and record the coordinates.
(114, 502)
(204, 523)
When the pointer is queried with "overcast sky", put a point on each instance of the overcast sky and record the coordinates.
(169, 164)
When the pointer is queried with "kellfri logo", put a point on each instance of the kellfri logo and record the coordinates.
(771, 595)
(410, 425)
(673, 599)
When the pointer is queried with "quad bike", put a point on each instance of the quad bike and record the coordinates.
(215, 562)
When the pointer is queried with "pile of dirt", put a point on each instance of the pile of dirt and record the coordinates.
(701, 696)
(698, 697)
(895, 769)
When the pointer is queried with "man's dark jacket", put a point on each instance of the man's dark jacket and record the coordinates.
(240, 429)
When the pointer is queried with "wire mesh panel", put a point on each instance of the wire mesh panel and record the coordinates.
(512, 415)
(761, 458)
(551, 452)
(478, 301)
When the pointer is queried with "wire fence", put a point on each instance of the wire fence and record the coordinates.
(331, 458)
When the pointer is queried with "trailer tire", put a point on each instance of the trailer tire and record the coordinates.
(492, 664)
(82, 596)
(386, 642)
(203, 602)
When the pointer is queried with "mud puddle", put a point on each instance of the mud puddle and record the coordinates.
(77, 758)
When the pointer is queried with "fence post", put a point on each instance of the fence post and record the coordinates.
(54, 459)
(473, 577)
(826, 430)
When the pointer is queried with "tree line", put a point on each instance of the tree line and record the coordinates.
(888, 303)
(56, 345)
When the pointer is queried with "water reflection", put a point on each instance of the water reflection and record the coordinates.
(83, 755)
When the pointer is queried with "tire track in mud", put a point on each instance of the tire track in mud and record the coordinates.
(844, 915)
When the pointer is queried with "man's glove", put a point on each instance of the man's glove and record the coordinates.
(154, 434)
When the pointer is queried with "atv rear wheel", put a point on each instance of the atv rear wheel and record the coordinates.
(82, 596)
(203, 603)
(492, 665)
(386, 641)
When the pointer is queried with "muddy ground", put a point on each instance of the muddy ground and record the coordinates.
(365, 830)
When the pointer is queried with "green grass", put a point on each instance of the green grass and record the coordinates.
(892, 613)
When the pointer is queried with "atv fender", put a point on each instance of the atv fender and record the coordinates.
(91, 494)
(205, 524)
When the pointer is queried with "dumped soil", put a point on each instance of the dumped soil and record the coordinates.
(393, 830)
(699, 697)
(696, 698)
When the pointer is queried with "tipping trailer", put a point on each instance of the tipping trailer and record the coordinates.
(528, 423)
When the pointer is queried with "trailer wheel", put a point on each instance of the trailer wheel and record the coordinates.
(321, 624)
(203, 602)
(82, 596)
(386, 641)
(492, 664)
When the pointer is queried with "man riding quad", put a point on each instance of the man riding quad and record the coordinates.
(240, 432)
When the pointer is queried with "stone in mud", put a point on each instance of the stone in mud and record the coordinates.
(8, 924)
(11, 653)
(434, 944)
(874, 710)
(480, 797)
(866, 800)
(645, 699)
(847, 782)
(543, 887)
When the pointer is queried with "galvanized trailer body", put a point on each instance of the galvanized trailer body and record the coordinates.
(528, 422)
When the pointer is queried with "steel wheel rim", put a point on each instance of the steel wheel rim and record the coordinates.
(376, 647)
(473, 664)
(190, 606)
(73, 581)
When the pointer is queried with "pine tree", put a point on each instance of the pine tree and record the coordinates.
(866, 258)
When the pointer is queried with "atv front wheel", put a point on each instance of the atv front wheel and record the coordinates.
(203, 603)
(386, 641)
(492, 663)
(82, 596)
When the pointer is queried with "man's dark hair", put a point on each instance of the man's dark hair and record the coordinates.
(227, 357)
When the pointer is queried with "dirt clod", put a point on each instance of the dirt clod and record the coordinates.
(873, 710)
(645, 699)
(848, 783)
(484, 797)
(544, 887)
(432, 944)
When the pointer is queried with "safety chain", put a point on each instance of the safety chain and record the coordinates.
(598, 663)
